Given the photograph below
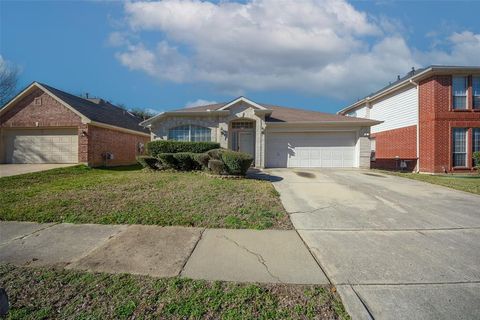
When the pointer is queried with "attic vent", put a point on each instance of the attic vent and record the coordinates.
(37, 101)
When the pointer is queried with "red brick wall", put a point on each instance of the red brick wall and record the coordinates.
(436, 120)
(400, 142)
(123, 146)
(92, 141)
(50, 113)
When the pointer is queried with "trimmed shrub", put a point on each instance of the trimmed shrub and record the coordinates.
(185, 161)
(236, 163)
(476, 158)
(167, 160)
(216, 166)
(148, 162)
(216, 154)
(154, 148)
(202, 159)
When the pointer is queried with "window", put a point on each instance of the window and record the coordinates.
(242, 125)
(459, 147)
(459, 85)
(476, 92)
(476, 141)
(190, 133)
(37, 101)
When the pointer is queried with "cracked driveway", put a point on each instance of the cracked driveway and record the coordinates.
(395, 248)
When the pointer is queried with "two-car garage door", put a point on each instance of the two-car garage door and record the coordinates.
(41, 145)
(310, 150)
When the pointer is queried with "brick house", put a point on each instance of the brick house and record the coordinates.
(46, 125)
(431, 120)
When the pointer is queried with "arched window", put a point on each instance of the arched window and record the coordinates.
(190, 133)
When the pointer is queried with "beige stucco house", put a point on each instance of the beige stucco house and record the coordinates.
(277, 137)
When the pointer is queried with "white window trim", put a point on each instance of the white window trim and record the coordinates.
(189, 132)
(466, 148)
(465, 76)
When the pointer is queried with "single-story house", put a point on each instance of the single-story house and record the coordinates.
(276, 136)
(46, 125)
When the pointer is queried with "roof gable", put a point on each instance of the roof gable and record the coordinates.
(228, 105)
(103, 112)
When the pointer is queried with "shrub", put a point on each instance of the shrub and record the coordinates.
(476, 157)
(167, 160)
(202, 159)
(154, 148)
(216, 154)
(148, 162)
(236, 163)
(185, 161)
(216, 166)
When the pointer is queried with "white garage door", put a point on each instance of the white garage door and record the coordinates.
(41, 146)
(311, 150)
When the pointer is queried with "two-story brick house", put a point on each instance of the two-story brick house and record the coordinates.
(431, 120)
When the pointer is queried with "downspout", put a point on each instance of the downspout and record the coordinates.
(418, 124)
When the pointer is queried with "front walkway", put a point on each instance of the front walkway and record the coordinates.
(16, 169)
(269, 256)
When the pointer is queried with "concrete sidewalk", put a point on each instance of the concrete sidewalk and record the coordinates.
(270, 256)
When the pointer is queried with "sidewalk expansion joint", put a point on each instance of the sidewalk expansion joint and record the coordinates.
(259, 257)
(313, 210)
(182, 269)
(370, 315)
(30, 234)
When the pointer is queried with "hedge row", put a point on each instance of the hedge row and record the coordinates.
(217, 161)
(154, 148)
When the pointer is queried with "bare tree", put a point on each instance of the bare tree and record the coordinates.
(8, 81)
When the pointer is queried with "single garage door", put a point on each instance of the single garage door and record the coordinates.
(311, 150)
(41, 146)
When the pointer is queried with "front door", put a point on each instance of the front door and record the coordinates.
(246, 142)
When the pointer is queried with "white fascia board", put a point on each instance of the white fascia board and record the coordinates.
(368, 123)
(148, 122)
(243, 99)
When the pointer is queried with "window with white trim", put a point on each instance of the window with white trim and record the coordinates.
(459, 147)
(476, 92)
(190, 133)
(459, 90)
(475, 141)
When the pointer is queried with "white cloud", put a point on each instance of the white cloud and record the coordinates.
(198, 102)
(325, 47)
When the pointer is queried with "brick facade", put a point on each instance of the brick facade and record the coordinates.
(40, 110)
(124, 146)
(395, 145)
(436, 121)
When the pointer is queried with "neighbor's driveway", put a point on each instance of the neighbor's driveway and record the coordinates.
(403, 249)
(16, 169)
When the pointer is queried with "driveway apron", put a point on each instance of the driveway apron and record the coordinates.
(395, 248)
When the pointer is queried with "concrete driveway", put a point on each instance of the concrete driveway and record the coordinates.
(16, 169)
(395, 248)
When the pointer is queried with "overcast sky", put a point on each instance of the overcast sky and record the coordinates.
(169, 54)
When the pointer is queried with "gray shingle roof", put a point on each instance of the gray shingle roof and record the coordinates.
(284, 114)
(103, 112)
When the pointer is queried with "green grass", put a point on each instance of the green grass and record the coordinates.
(468, 183)
(128, 195)
(45, 293)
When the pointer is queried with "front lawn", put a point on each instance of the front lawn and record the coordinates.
(46, 293)
(468, 183)
(128, 195)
